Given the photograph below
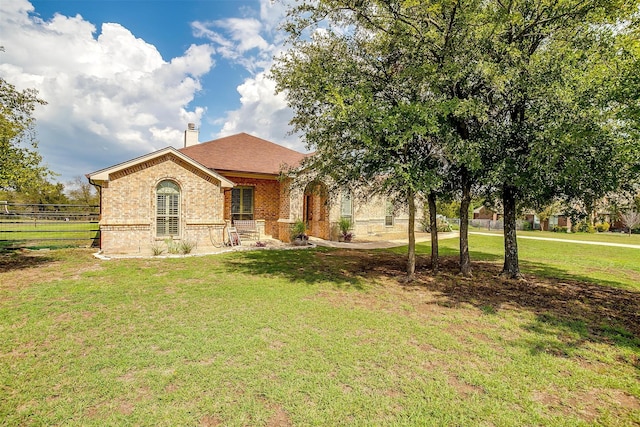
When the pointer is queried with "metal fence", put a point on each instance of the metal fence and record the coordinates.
(48, 225)
(498, 225)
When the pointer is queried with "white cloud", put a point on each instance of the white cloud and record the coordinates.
(262, 113)
(113, 93)
(252, 43)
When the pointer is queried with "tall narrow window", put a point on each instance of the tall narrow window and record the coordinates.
(388, 215)
(346, 206)
(167, 209)
(242, 203)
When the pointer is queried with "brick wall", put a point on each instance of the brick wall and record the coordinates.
(369, 217)
(266, 201)
(129, 206)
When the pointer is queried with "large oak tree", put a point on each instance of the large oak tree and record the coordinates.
(521, 99)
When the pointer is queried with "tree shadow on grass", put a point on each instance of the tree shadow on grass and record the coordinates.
(586, 311)
(18, 260)
(304, 265)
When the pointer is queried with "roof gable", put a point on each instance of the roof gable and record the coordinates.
(103, 174)
(244, 153)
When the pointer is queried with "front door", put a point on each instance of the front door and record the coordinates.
(316, 210)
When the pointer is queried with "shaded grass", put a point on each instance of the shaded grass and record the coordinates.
(314, 337)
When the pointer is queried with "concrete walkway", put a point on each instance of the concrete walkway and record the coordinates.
(552, 239)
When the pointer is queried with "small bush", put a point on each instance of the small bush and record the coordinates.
(584, 227)
(345, 225)
(444, 227)
(157, 249)
(172, 246)
(603, 227)
(299, 230)
(299, 235)
(560, 229)
(442, 224)
(186, 246)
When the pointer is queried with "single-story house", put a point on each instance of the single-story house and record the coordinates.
(195, 193)
(550, 224)
(484, 212)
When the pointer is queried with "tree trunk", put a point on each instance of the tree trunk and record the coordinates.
(511, 268)
(433, 222)
(465, 260)
(411, 256)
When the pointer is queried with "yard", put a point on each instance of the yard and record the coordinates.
(47, 233)
(321, 337)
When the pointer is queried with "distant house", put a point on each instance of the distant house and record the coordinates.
(196, 192)
(550, 224)
(485, 217)
(484, 212)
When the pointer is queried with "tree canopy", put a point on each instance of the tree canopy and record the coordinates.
(525, 101)
(20, 163)
(359, 107)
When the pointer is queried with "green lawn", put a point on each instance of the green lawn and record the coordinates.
(610, 265)
(633, 239)
(312, 337)
(47, 233)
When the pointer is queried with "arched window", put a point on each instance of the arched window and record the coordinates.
(167, 209)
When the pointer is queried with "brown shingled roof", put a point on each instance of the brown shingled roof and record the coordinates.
(244, 153)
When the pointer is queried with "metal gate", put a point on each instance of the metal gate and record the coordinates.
(48, 225)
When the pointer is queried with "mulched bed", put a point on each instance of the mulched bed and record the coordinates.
(600, 307)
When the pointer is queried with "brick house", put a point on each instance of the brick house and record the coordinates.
(194, 193)
(484, 212)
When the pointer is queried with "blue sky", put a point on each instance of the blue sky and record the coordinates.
(123, 78)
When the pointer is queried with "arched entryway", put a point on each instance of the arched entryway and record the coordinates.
(316, 210)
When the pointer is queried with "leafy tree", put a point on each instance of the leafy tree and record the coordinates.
(48, 193)
(79, 191)
(20, 163)
(631, 220)
(360, 107)
(39, 191)
(515, 99)
(547, 73)
(388, 101)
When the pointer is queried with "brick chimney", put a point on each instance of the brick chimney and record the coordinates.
(190, 135)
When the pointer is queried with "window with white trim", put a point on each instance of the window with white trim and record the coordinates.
(346, 206)
(167, 209)
(388, 214)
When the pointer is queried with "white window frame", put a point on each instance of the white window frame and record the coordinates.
(167, 209)
(346, 206)
(389, 219)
